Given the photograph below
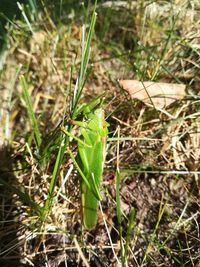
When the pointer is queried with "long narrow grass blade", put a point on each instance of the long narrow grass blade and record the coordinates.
(84, 62)
(130, 229)
(119, 214)
(58, 162)
(29, 107)
(25, 17)
(109, 237)
(153, 235)
(7, 129)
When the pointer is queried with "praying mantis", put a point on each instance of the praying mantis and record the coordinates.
(90, 163)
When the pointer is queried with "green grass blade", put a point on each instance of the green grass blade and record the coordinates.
(118, 202)
(31, 115)
(21, 8)
(130, 229)
(58, 162)
(84, 62)
(119, 215)
(153, 235)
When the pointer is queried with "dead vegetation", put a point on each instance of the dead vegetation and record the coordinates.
(159, 165)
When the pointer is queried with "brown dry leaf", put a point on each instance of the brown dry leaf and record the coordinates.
(159, 95)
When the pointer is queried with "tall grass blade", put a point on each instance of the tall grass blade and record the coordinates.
(153, 235)
(29, 107)
(25, 17)
(118, 204)
(58, 162)
(84, 62)
(9, 104)
(128, 236)
(119, 215)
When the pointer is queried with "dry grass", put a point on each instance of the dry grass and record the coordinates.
(159, 177)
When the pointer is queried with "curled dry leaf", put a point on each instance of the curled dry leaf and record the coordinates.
(159, 95)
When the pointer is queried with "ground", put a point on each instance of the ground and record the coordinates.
(149, 212)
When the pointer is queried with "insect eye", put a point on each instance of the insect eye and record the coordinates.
(99, 113)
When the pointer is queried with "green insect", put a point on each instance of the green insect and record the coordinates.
(90, 163)
(94, 133)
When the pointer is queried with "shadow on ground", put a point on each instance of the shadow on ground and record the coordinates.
(10, 235)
